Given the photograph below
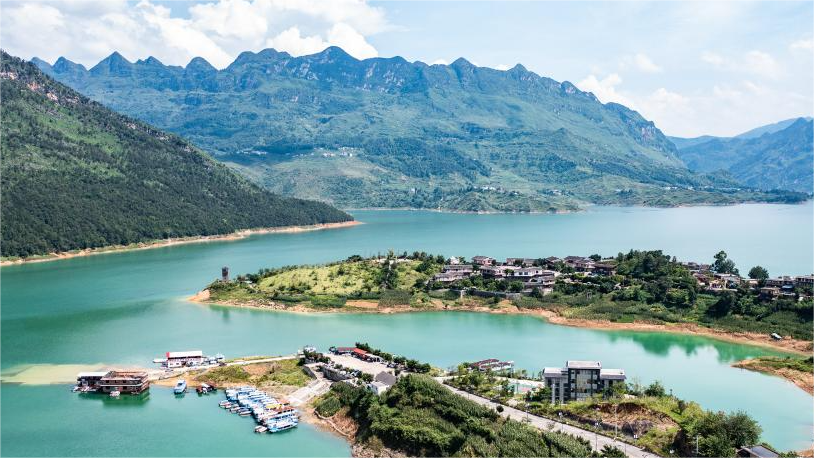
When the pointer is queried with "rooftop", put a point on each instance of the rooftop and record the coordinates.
(583, 365)
(185, 354)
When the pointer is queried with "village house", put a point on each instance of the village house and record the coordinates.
(458, 268)
(780, 282)
(494, 271)
(804, 281)
(483, 261)
(604, 268)
(382, 382)
(520, 262)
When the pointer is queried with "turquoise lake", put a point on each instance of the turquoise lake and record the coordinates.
(130, 307)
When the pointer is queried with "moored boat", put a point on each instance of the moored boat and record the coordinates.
(180, 387)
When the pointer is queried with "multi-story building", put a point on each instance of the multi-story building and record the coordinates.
(132, 382)
(483, 260)
(580, 380)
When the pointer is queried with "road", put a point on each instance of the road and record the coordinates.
(597, 440)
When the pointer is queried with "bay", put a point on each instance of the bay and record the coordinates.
(130, 307)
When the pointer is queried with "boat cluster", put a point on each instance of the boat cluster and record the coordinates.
(270, 414)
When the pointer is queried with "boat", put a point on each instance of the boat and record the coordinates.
(282, 425)
(260, 429)
(115, 393)
(180, 387)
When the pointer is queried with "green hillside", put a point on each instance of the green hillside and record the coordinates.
(779, 156)
(77, 175)
(386, 132)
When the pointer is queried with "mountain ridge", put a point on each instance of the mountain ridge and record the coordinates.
(776, 156)
(385, 132)
(77, 175)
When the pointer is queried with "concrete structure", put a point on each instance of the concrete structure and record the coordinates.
(580, 380)
(224, 273)
(125, 382)
(90, 380)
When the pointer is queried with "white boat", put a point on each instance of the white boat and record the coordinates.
(282, 425)
(115, 393)
(180, 387)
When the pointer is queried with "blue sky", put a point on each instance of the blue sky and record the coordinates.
(692, 67)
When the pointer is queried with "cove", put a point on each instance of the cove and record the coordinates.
(129, 307)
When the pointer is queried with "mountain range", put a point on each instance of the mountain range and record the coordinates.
(77, 175)
(386, 132)
(776, 156)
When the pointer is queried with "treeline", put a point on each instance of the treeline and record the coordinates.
(77, 175)
(420, 417)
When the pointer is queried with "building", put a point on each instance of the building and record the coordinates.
(224, 273)
(335, 374)
(483, 260)
(184, 358)
(125, 382)
(492, 364)
(524, 272)
(495, 271)
(448, 277)
(382, 382)
(342, 350)
(604, 268)
(580, 380)
(756, 451)
(89, 381)
(458, 268)
(780, 282)
(804, 281)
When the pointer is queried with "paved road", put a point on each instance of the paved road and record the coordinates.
(597, 440)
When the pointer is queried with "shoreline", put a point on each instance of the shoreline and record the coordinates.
(161, 243)
(803, 380)
(787, 345)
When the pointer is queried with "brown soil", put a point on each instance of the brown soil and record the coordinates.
(628, 413)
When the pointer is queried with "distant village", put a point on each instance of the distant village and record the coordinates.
(541, 274)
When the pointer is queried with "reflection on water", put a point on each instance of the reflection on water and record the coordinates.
(656, 344)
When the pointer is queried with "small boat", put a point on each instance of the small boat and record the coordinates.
(115, 393)
(260, 429)
(180, 387)
(282, 425)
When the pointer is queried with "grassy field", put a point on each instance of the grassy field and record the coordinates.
(278, 374)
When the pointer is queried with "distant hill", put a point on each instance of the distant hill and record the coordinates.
(386, 132)
(777, 156)
(77, 175)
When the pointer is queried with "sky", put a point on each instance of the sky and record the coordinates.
(694, 68)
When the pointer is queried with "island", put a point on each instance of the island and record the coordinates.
(638, 290)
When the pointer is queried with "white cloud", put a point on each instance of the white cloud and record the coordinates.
(755, 62)
(803, 45)
(640, 62)
(605, 89)
(712, 58)
(761, 63)
(88, 30)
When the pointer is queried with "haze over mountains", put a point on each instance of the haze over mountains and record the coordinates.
(777, 156)
(386, 132)
(77, 175)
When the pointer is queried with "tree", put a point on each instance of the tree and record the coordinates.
(516, 286)
(725, 304)
(595, 257)
(724, 265)
(758, 273)
(655, 389)
(610, 452)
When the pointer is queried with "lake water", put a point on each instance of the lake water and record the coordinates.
(129, 308)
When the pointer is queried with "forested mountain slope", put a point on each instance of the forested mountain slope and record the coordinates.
(78, 175)
(763, 158)
(386, 132)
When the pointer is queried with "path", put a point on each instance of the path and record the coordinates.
(597, 440)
